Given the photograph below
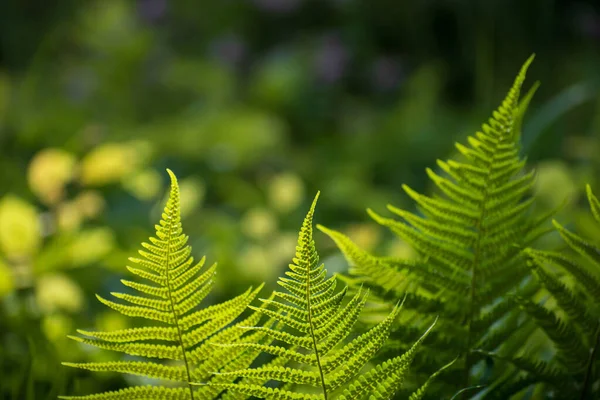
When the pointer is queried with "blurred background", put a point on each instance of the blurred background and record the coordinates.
(255, 105)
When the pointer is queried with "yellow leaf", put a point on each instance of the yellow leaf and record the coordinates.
(19, 227)
(144, 185)
(48, 173)
(108, 163)
(286, 192)
(258, 223)
(57, 292)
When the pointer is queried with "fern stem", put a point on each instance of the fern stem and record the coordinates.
(471, 316)
(476, 260)
(472, 293)
(312, 333)
(172, 302)
(590, 364)
(180, 338)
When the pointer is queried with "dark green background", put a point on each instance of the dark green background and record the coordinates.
(249, 102)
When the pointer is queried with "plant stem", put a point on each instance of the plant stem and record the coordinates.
(172, 302)
(471, 316)
(312, 331)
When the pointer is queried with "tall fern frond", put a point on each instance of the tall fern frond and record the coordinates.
(469, 237)
(320, 363)
(573, 325)
(172, 287)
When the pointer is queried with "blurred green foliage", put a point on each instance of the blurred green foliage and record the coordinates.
(255, 104)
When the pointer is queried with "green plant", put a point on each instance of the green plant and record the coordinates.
(177, 330)
(315, 324)
(469, 238)
(570, 319)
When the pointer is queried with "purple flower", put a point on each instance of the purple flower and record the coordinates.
(229, 50)
(331, 59)
(152, 10)
(386, 73)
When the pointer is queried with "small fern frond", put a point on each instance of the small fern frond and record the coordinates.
(576, 335)
(315, 324)
(176, 328)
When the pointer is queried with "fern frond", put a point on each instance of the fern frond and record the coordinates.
(178, 330)
(314, 325)
(469, 235)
